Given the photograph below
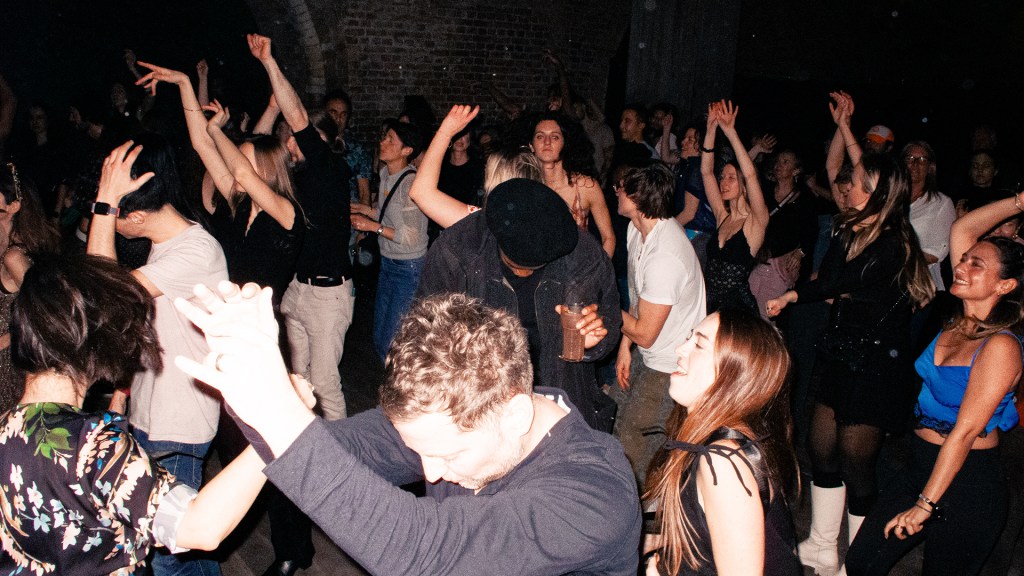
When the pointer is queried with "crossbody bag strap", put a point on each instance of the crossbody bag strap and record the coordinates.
(391, 194)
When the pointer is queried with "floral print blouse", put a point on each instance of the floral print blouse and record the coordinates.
(77, 493)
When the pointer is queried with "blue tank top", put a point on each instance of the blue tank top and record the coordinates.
(943, 392)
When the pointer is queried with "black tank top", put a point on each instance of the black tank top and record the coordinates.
(780, 542)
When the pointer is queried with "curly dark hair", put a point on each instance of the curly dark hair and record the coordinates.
(578, 151)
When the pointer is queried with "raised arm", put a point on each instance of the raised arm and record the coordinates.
(116, 182)
(203, 72)
(842, 111)
(291, 106)
(835, 157)
(195, 120)
(278, 207)
(967, 230)
(148, 99)
(755, 198)
(8, 103)
(664, 144)
(564, 91)
(265, 125)
(437, 205)
(512, 110)
(763, 144)
(707, 165)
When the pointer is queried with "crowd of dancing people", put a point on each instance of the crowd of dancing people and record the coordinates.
(175, 276)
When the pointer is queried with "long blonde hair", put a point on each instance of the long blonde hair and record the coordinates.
(750, 394)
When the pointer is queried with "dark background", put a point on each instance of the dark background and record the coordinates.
(927, 69)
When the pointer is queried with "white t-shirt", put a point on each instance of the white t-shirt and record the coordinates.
(169, 405)
(664, 270)
(932, 218)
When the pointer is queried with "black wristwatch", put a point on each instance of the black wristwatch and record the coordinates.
(104, 209)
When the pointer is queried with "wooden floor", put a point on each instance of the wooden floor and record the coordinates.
(254, 554)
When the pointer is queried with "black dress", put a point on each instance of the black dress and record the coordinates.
(727, 274)
(870, 303)
(779, 538)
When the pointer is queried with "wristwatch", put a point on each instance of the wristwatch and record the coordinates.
(380, 230)
(104, 209)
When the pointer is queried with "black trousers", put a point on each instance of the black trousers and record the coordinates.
(975, 506)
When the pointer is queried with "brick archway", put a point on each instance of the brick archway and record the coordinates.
(291, 25)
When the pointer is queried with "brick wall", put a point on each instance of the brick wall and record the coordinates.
(442, 50)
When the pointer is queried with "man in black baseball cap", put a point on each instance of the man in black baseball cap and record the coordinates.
(525, 254)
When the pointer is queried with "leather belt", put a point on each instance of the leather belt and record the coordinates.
(321, 281)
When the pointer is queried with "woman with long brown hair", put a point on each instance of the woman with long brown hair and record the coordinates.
(25, 233)
(741, 216)
(720, 492)
(875, 274)
(954, 494)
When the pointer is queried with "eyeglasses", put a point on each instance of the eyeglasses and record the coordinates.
(916, 159)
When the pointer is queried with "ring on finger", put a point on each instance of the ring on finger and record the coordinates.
(216, 362)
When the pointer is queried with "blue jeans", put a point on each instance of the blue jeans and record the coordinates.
(185, 461)
(396, 287)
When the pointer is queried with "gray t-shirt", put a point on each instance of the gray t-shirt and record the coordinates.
(403, 216)
(169, 405)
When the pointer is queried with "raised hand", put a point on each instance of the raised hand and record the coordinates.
(202, 68)
(849, 106)
(259, 47)
(841, 108)
(157, 75)
(727, 115)
(666, 122)
(713, 117)
(457, 119)
(549, 57)
(767, 143)
(129, 58)
(244, 362)
(220, 117)
(116, 179)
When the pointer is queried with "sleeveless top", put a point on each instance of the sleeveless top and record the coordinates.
(581, 216)
(263, 252)
(780, 541)
(12, 380)
(727, 274)
(943, 392)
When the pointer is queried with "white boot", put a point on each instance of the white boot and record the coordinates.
(853, 523)
(821, 549)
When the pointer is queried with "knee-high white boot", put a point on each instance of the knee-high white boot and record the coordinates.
(853, 522)
(821, 549)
